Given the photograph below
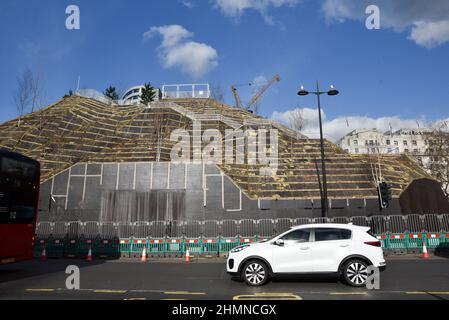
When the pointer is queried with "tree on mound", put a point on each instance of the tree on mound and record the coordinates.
(111, 93)
(69, 94)
(148, 93)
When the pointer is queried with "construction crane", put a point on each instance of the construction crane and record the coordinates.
(255, 99)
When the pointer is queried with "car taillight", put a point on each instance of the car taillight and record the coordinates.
(374, 243)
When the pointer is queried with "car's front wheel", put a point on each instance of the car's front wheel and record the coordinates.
(355, 272)
(255, 273)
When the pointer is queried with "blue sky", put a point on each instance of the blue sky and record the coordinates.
(399, 73)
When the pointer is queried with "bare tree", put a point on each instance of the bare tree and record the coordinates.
(296, 119)
(23, 94)
(436, 160)
(37, 91)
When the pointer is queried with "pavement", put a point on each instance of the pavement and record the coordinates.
(406, 278)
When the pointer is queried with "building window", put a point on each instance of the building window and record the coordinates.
(414, 142)
(371, 142)
(405, 142)
(406, 150)
(356, 150)
(396, 143)
(415, 151)
(356, 143)
(388, 142)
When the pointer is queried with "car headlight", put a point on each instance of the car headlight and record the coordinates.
(240, 248)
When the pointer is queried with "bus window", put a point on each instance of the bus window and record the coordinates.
(19, 184)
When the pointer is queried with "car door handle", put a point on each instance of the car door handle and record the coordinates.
(305, 248)
(344, 245)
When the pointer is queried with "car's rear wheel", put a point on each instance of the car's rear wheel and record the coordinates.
(355, 272)
(255, 273)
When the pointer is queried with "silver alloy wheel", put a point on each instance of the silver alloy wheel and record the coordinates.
(255, 273)
(357, 273)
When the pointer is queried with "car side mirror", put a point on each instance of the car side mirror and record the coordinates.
(279, 242)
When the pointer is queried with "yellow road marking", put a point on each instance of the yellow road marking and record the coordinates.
(184, 293)
(40, 290)
(268, 296)
(347, 293)
(110, 291)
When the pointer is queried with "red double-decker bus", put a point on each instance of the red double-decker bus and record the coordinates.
(19, 193)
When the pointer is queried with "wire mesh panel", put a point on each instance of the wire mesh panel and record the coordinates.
(175, 229)
(44, 230)
(193, 229)
(125, 229)
(397, 224)
(360, 221)
(142, 229)
(266, 227)
(74, 229)
(91, 229)
(432, 223)
(229, 228)
(108, 230)
(283, 224)
(343, 220)
(321, 220)
(414, 223)
(211, 228)
(302, 220)
(59, 230)
(248, 228)
(157, 229)
(378, 224)
(445, 222)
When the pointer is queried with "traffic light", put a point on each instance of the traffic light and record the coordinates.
(384, 195)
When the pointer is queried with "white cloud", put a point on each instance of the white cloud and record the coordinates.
(259, 80)
(236, 8)
(187, 3)
(427, 21)
(176, 50)
(334, 129)
(430, 34)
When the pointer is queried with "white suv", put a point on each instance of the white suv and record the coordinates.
(344, 250)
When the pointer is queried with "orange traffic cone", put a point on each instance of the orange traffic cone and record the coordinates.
(425, 254)
(44, 254)
(89, 254)
(187, 255)
(144, 255)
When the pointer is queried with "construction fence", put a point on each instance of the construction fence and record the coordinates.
(214, 238)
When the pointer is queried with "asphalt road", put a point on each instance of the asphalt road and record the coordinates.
(404, 279)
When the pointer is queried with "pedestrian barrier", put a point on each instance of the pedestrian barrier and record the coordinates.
(194, 246)
(210, 247)
(55, 248)
(137, 246)
(227, 244)
(125, 247)
(38, 247)
(174, 247)
(209, 238)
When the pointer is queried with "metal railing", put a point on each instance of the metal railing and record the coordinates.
(233, 228)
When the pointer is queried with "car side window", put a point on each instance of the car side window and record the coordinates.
(329, 234)
(299, 235)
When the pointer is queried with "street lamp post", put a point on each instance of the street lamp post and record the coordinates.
(318, 93)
